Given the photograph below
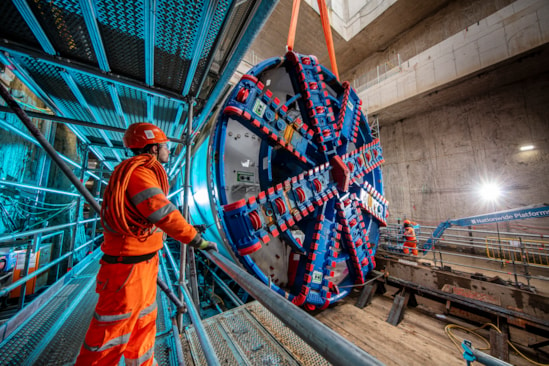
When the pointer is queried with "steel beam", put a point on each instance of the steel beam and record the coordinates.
(71, 83)
(71, 121)
(205, 21)
(150, 26)
(90, 18)
(34, 25)
(526, 313)
(69, 64)
(113, 91)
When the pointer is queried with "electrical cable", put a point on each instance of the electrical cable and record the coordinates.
(457, 343)
(116, 212)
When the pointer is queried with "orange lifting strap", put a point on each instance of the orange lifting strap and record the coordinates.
(325, 26)
(293, 26)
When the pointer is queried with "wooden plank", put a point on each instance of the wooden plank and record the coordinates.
(366, 295)
(397, 310)
(417, 340)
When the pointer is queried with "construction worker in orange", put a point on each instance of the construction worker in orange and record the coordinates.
(410, 238)
(134, 215)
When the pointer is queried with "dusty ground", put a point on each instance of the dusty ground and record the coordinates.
(419, 339)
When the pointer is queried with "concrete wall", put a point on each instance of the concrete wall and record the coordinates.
(509, 32)
(436, 161)
(454, 17)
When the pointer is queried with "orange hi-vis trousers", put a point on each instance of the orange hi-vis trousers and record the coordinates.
(410, 244)
(124, 322)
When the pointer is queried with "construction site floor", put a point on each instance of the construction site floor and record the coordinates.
(419, 339)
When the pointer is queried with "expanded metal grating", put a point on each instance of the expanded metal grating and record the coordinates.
(13, 26)
(34, 343)
(54, 334)
(122, 31)
(111, 62)
(61, 21)
(296, 346)
(251, 335)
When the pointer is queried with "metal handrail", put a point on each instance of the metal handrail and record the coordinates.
(226, 289)
(201, 333)
(11, 237)
(452, 245)
(331, 345)
(25, 279)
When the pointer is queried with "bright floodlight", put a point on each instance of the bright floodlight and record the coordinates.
(527, 147)
(490, 192)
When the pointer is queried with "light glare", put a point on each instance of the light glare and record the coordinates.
(490, 192)
(527, 147)
(201, 197)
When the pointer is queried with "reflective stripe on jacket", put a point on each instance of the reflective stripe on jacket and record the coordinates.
(145, 193)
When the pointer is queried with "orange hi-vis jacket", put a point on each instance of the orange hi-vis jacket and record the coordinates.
(124, 321)
(145, 194)
(411, 240)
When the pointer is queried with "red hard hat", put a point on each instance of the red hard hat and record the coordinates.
(407, 221)
(139, 135)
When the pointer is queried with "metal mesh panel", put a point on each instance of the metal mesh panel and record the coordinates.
(17, 348)
(240, 338)
(295, 345)
(207, 51)
(96, 93)
(176, 32)
(163, 350)
(221, 344)
(49, 78)
(253, 341)
(13, 27)
(187, 356)
(165, 111)
(121, 27)
(66, 344)
(64, 26)
(134, 104)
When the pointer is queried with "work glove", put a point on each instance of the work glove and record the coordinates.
(208, 245)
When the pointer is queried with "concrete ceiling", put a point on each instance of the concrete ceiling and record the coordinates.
(376, 37)
(403, 15)
(532, 64)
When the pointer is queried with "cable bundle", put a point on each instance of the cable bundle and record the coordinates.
(117, 212)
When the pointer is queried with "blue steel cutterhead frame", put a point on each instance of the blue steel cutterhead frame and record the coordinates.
(261, 14)
(319, 188)
(522, 213)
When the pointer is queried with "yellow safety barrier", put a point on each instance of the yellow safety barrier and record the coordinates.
(511, 249)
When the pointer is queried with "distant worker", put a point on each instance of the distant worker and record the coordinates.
(134, 213)
(410, 238)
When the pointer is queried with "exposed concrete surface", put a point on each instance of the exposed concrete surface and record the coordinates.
(440, 144)
(309, 39)
(349, 17)
(436, 161)
(513, 30)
